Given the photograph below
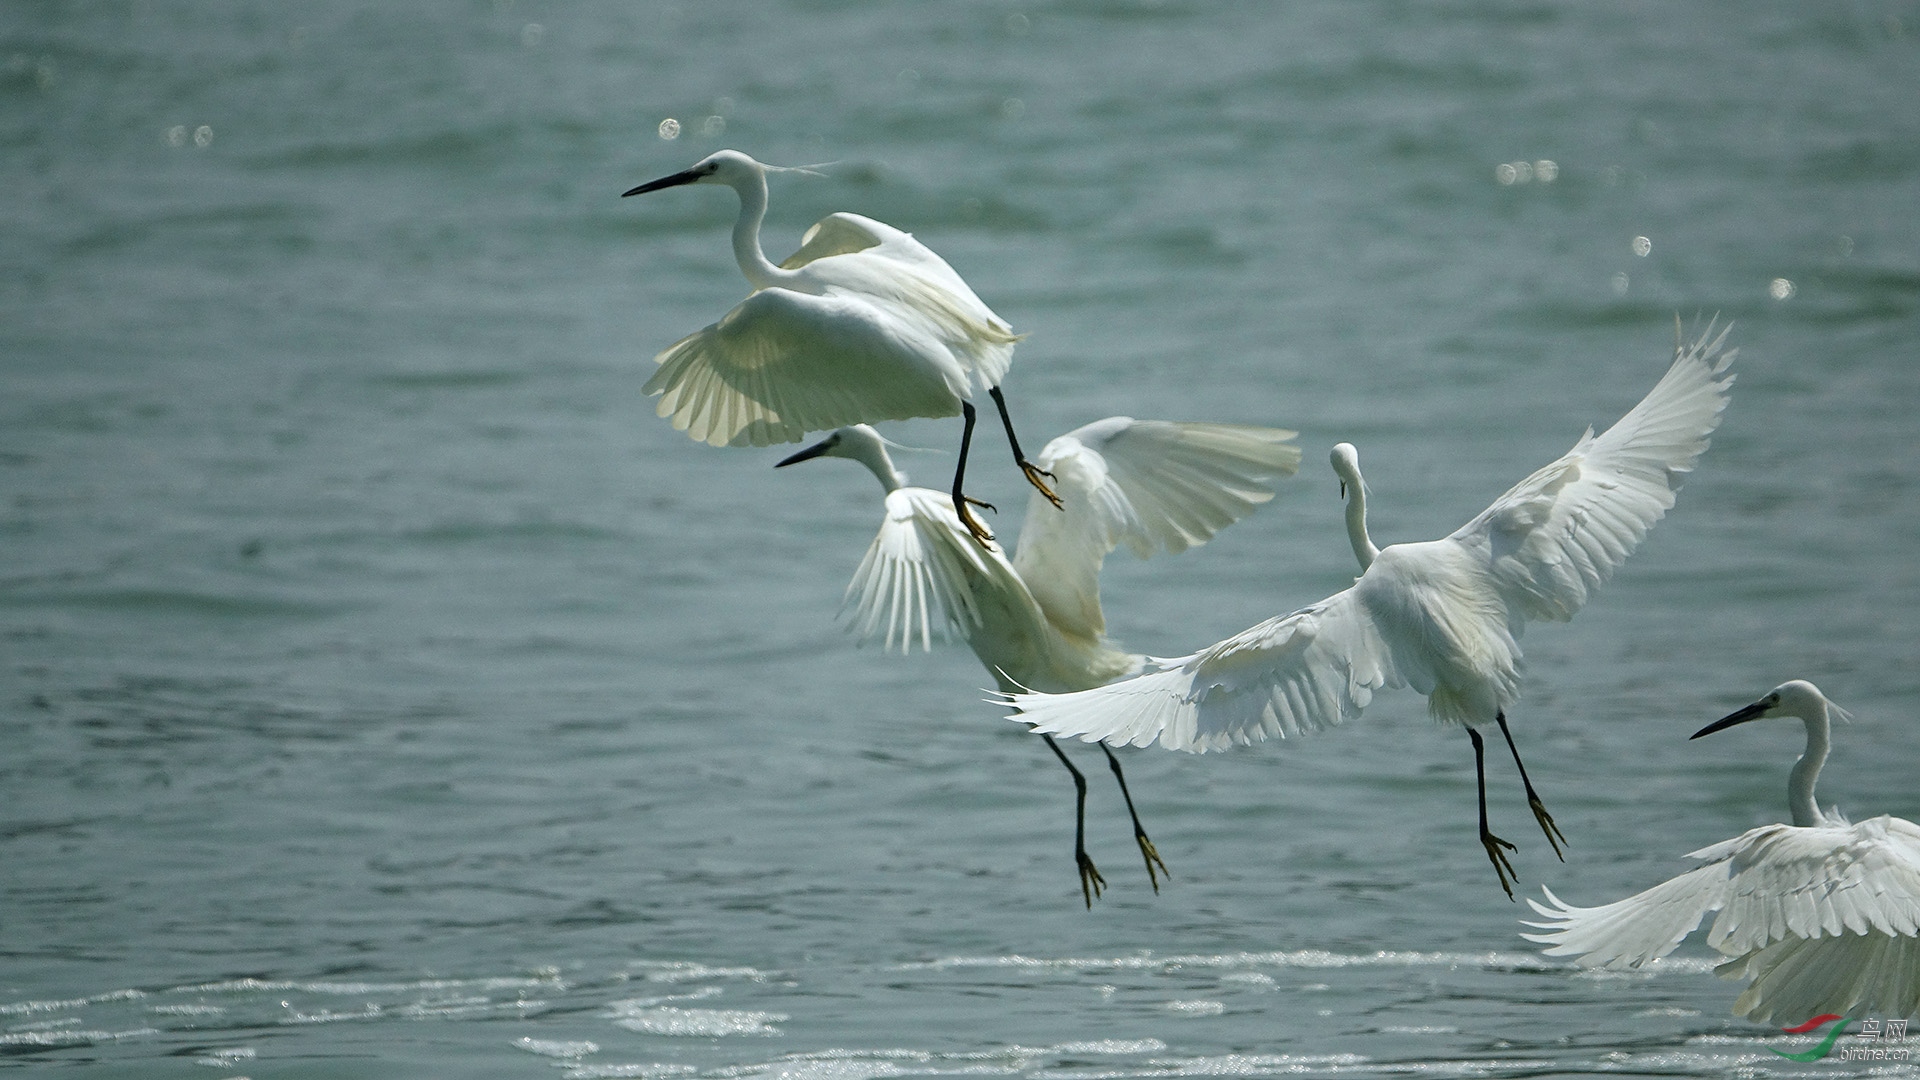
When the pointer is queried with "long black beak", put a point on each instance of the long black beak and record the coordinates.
(675, 180)
(1751, 712)
(809, 453)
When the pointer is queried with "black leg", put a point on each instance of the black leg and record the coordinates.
(1492, 843)
(1091, 883)
(1033, 472)
(960, 501)
(1147, 850)
(1539, 808)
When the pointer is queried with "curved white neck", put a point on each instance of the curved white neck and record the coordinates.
(874, 456)
(1806, 812)
(1363, 548)
(761, 274)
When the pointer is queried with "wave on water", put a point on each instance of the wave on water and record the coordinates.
(1301, 958)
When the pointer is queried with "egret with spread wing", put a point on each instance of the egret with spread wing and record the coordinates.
(1444, 616)
(1035, 619)
(1823, 915)
(863, 323)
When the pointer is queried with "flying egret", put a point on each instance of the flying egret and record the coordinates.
(1444, 616)
(1822, 915)
(1034, 620)
(863, 323)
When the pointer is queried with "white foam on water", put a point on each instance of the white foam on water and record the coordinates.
(1195, 1008)
(71, 1037)
(676, 971)
(1309, 959)
(549, 984)
(649, 1071)
(22, 1008)
(1110, 1046)
(557, 1048)
(669, 1020)
(226, 1056)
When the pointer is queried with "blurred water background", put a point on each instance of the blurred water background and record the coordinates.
(386, 691)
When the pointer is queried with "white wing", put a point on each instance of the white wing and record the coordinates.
(1287, 676)
(1787, 881)
(874, 327)
(784, 363)
(1771, 885)
(1560, 533)
(917, 287)
(916, 574)
(1630, 932)
(839, 234)
(1154, 485)
(1850, 974)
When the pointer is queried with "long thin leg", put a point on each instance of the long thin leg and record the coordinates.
(1091, 883)
(1147, 850)
(1539, 808)
(960, 501)
(1492, 843)
(1034, 472)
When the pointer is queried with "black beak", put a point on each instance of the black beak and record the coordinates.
(809, 453)
(675, 180)
(1751, 712)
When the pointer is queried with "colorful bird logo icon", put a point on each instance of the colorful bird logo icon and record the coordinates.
(1826, 1044)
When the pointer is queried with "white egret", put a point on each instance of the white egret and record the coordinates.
(863, 323)
(1443, 616)
(1823, 915)
(1035, 620)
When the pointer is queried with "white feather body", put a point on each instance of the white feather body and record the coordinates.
(1151, 485)
(1822, 918)
(1443, 616)
(867, 324)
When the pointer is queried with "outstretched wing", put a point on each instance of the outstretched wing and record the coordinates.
(1848, 974)
(839, 234)
(915, 575)
(1771, 885)
(784, 363)
(899, 272)
(1154, 485)
(1788, 881)
(1560, 533)
(1630, 932)
(1287, 676)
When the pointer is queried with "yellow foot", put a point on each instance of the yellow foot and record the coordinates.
(1547, 826)
(1152, 856)
(978, 531)
(1034, 473)
(1091, 883)
(1501, 865)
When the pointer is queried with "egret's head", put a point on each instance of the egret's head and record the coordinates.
(1799, 698)
(1346, 465)
(730, 167)
(856, 443)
